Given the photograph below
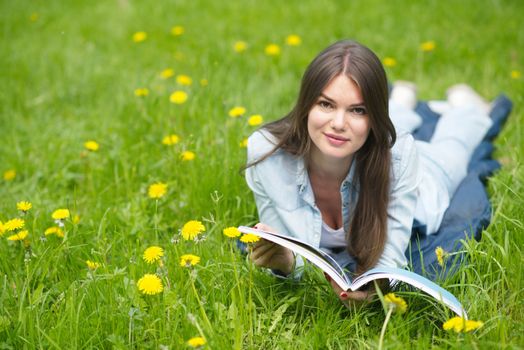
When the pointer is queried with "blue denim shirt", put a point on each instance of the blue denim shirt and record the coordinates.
(286, 202)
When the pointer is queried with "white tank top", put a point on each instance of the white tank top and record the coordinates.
(331, 238)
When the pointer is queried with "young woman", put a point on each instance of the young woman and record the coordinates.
(338, 174)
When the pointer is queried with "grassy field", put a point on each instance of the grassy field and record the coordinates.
(69, 73)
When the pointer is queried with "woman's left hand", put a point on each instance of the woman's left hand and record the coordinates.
(348, 297)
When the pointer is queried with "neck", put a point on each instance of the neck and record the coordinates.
(329, 169)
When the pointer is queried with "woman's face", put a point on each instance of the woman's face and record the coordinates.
(338, 123)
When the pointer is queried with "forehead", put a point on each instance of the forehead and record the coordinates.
(342, 89)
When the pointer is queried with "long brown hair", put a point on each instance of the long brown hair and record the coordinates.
(368, 228)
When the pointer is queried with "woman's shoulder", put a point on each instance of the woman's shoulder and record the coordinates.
(260, 143)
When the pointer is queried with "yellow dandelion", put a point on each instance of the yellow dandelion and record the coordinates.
(440, 253)
(191, 229)
(9, 174)
(141, 92)
(237, 111)
(204, 82)
(167, 73)
(187, 156)
(183, 79)
(2, 229)
(92, 265)
(150, 284)
(20, 236)
(196, 342)
(240, 46)
(178, 97)
(14, 224)
(428, 46)
(389, 62)
(515, 74)
(188, 260)
(54, 230)
(157, 190)
(396, 302)
(272, 50)
(459, 324)
(293, 40)
(231, 232)
(153, 254)
(23, 206)
(249, 238)
(243, 143)
(177, 30)
(91, 145)
(34, 17)
(60, 214)
(139, 37)
(170, 140)
(255, 119)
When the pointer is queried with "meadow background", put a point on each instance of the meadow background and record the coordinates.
(69, 73)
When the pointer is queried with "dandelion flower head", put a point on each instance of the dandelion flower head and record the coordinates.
(515, 74)
(177, 30)
(396, 302)
(9, 174)
(272, 50)
(91, 265)
(167, 73)
(170, 140)
(428, 46)
(237, 111)
(196, 342)
(255, 120)
(243, 143)
(157, 190)
(141, 92)
(249, 238)
(139, 37)
(178, 97)
(54, 230)
(14, 224)
(60, 214)
(91, 145)
(293, 40)
(150, 284)
(459, 324)
(23, 206)
(183, 79)
(204, 82)
(440, 253)
(389, 62)
(240, 46)
(191, 229)
(188, 260)
(20, 236)
(33, 17)
(231, 232)
(187, 155)
(153, 254)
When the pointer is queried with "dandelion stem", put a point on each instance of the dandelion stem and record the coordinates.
(199, 301)
(383, 331)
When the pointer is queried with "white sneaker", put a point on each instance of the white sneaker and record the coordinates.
(461, 95)
(404, 93)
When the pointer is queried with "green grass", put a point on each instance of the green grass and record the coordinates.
(70, 76)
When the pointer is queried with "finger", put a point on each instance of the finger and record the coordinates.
(261, 250)
(265, 259)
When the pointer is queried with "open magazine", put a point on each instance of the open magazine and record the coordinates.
(327, 264)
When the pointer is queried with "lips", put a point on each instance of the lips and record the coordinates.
(336, 140)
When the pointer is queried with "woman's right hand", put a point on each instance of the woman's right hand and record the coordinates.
(271, 255)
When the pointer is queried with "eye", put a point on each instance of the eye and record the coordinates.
(325, 104)
(359, 111)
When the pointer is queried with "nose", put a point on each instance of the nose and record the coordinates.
(338, 122)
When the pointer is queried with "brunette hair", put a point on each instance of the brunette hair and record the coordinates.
(368, 228)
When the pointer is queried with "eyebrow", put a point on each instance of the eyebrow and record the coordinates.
(359, 104)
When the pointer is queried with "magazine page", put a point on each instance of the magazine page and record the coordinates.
(312, 254)
(415, 280)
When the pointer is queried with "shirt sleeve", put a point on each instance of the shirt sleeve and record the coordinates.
(402, 203)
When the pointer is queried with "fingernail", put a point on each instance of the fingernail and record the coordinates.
(343, 295)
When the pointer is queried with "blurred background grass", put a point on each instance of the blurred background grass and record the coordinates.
(68, 72)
